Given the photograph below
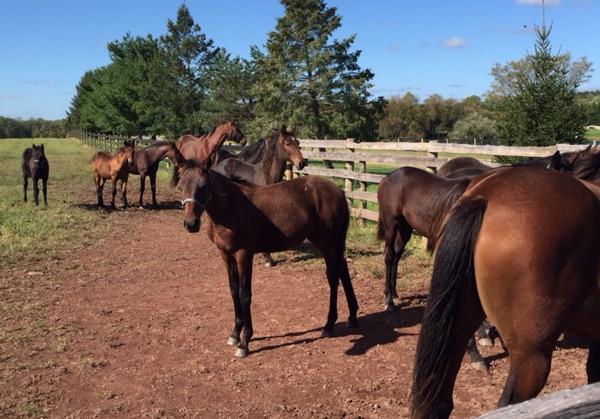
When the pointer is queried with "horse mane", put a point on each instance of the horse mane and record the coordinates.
(270, 147)
(586, 165)
(435, 229)
(253, 148)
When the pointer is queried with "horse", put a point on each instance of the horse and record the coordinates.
(584, 164)
(522, 247)
(146, 162)
(114, 167)
(245, 219)
(201, 148)
(459, 167)
(252, 154)
(281, 147)
(35, 166)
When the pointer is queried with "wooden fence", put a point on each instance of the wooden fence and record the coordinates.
(357, 157)
(582, 402)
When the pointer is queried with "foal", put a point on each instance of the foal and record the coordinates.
(146, 162)
(244, 220)
(114, 167)
(35, 166)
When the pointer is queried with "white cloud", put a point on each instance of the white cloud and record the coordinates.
(538, 2)
(454, 42)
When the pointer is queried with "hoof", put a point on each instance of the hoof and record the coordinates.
(241, 352)
(231, 341)
(390, 308)
(487, 342)
(480, 366)
(326, 333)
(352, 324)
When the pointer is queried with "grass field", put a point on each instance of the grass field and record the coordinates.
(593, 134)
(26, 230)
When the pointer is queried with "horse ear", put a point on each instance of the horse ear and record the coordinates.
(555, 161)
(42, 148)
(33, 146)
(283, 129)
(294, 131)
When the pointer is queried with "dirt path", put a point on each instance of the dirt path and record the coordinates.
(136, 325)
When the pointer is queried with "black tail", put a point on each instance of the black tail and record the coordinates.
(380, 227)
(452, 270)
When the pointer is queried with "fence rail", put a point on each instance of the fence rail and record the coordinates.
(359, 156)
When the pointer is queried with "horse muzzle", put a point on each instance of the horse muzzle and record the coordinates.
(301, 164)
(192, 226)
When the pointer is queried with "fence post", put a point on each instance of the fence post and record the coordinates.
(348, 183)
(288, 174)
(432, 169)
(362, 186)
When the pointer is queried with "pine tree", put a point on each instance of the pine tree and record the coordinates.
(307, 79)
(541, 109)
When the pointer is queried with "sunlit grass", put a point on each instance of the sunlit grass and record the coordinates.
(26, 230)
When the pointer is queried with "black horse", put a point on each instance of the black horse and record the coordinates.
(35, 166)
(146, 162)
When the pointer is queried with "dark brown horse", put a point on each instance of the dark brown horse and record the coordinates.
(146, 162)
(244, 220)
(521, 245)
(201, 148)
(35, 166)
(115, 167)
(461, 167)
(280, 148)
(252, 154)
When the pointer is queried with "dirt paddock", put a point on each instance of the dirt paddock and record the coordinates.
(135, 325)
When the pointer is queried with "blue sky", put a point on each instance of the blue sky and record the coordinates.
(426, 46)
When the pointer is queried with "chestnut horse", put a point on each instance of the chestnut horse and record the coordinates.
(201, 148)
(521, 245)
(146, 162)
(115, 167)
(34, 165)
(244, 220)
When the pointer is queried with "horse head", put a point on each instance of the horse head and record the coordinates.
(289, 145)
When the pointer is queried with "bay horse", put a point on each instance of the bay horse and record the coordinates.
(521, 245)
(280, 148)
(201, 148)
(146, 162)
(115, 167)
(470, 167)
(244, 220)
(252, 154)
(34, 165)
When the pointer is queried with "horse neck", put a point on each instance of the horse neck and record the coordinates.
(121, 157)
(220, 208)
(215, 140)
(270, 166)
(157, 152)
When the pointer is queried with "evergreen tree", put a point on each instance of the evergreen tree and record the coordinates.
(307, 79)
(541, 108)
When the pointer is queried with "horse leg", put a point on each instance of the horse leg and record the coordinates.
(394, 248)
(36, 191)
(477, 360)
(25, 182)
(124, 193)
(593, 362)
(483, 335)
(244, 267)
(234, 287)
(529, 369)
(45, 189)
(333, 277)
(349, 292)
(142, 188)
(153, 188)
(99, 190)
(114, 192)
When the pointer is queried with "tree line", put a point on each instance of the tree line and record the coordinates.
(181, 82)
(32, 128)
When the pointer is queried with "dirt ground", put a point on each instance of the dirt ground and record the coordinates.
(136, 326)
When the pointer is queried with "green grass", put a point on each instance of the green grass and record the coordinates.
(26, 230)
(592, 134)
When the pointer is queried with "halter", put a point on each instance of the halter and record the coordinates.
(186, 200)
